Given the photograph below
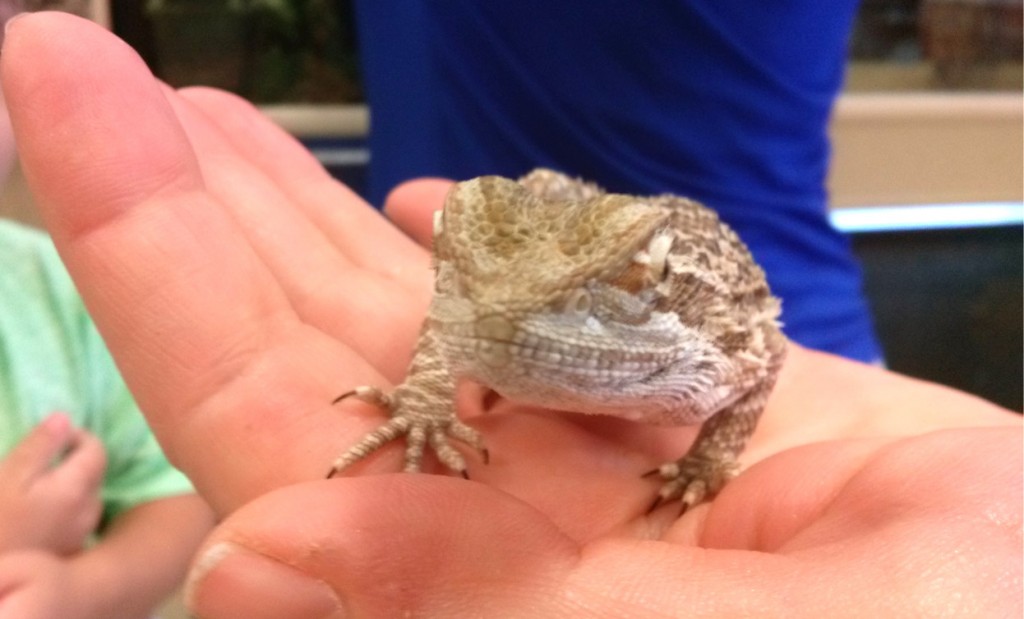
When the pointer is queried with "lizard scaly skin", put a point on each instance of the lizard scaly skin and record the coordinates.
(554, 293)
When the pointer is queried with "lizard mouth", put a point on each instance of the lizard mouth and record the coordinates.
(581, 365)
(497, 342)
(548, 355)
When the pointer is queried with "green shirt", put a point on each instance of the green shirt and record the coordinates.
(52, 359)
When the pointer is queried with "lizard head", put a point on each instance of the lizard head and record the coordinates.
(557, 302)
(501, 247)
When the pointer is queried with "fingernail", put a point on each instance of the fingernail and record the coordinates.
(231, 581)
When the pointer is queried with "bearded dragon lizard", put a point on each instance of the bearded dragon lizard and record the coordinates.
(554, 293)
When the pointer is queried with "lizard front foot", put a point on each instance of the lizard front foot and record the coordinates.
(691, 479)
(419, 427)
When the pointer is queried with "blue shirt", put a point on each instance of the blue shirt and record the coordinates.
(723, 101)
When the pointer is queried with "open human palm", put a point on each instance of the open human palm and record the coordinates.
(241, 289)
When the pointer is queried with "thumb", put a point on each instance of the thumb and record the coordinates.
(410, 205)
(34, 455)
(384, 546)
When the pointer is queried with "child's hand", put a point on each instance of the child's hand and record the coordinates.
(35, 585)
(49, 489)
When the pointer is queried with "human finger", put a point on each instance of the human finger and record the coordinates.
(353, 226)
(363, 297)
(35, 453)
(821, 397)
(254, 565)
(459, 549)
(411, 205)
(201, 330)
(129, 158)
(72, 493)
(84, 465)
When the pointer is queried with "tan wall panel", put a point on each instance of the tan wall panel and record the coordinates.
(929, 148)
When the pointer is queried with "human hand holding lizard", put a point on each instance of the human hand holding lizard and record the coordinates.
(240, 289)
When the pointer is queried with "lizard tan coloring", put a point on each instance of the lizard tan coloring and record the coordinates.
(554, 293)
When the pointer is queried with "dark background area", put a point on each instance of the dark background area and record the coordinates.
(948, 306)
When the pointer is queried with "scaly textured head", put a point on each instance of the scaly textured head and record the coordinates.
(631, 306)
(513, 251)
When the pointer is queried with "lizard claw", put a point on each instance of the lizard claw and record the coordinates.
(690, 479)
(371, 395)
(370, 443)
(418, 428)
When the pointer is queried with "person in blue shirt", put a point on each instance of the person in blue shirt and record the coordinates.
(723, 101)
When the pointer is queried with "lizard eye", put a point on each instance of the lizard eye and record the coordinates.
(579, 302)
(658, 250)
